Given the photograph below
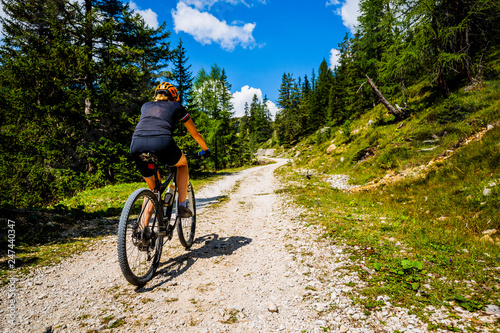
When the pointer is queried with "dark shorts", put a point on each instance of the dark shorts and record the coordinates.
(163, 147)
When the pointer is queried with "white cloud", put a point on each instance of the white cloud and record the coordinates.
(349, 11)
(206, 28)
(202, 4)
(332, 2)
(334, 58)
(207, 4)
(273, 109)
(150, 17)
(245, 95)
(2, 13)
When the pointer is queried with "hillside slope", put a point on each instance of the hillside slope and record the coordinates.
(418, 200)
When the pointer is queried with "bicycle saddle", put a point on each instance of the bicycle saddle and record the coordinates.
(149, 158)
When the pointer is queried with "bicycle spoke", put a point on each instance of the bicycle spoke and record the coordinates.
(138, 251)
(186, 226)
(139, 247)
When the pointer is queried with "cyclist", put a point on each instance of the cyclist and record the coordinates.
(153, 134)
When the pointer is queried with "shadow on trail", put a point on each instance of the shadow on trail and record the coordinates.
(213, 246)
(204, 202)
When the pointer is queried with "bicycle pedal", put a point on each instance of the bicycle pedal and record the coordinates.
(161, 231)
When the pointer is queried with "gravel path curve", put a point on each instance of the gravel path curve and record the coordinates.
(255, 267)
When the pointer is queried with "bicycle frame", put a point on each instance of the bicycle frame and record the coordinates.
(140, 248)
(159, 193)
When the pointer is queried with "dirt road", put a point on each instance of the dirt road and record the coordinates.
(255, 267)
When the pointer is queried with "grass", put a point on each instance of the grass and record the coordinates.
(110, 199)
(170, 300)
(41, 255)
(230, 316)
(422, 236)
(117, 323)
(418, 261)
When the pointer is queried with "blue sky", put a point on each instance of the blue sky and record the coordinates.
(255, 41)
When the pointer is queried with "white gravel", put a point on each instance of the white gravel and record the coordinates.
(255, 267)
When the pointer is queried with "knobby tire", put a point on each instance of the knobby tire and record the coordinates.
(138, 261)
(186, 226)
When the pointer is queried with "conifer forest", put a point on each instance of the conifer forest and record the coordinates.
(73, 76)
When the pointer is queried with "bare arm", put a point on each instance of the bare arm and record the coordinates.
(195, 134)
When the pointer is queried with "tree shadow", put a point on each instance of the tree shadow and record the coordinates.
(213, 246)
(204, 202)
(61, 226)
(193, 174)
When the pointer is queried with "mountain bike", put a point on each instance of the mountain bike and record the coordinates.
(140, 237)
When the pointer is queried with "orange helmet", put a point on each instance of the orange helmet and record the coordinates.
(168, 89)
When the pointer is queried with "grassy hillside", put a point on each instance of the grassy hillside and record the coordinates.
(423, 223)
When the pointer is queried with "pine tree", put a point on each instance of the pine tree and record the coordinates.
(348, 81)
(183, 77)
(253, 122)
(306, 87)
(211, 94)
(325, 80)
(287, 123)
(38, 112)
(336, 106)
(126, 58)
(306, 106)
(375, 31)
(313, 80)
(226, 135)
(267, 120)
(440, 41)
(245, 152)
(245, 122)
(373, 35)
(72, 75)
(259, 127)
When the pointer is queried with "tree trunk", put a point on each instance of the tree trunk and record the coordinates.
(215, 156)
(443, 87)
(88, 81)
(397, 113)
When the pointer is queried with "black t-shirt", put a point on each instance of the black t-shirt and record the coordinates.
(159, 118)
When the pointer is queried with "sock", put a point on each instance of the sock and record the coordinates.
(183, 204)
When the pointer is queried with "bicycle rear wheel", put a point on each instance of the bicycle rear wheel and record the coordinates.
(186, 226)
(139, 249)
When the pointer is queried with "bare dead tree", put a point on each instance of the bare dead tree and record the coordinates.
(399, 113)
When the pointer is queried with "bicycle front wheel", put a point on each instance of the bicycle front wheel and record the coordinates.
(139, 249)
(186, 226)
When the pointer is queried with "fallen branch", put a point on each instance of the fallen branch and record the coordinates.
(399, 114)
(360, 87)
(427, 149)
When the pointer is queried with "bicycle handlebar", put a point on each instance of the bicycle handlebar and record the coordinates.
(192, 155)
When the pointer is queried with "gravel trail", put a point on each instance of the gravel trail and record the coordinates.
(254, 267)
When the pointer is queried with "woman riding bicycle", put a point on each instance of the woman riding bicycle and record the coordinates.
(153, 134)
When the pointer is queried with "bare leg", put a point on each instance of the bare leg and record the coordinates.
(182, 178)
(148, 211)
